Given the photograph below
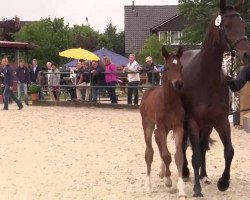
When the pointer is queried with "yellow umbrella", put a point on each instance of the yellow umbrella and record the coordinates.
(79, 53)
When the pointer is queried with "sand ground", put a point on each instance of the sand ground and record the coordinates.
(57, 153)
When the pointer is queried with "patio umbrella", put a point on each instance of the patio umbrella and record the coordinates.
(79, 53)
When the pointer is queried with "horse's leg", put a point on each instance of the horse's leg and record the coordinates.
(223, 128)
(196, 157)
(148, 128)
(185, 170)
(161, 141)
(178, 131)
(204, 146)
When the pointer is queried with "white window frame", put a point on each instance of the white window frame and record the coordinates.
(178, 37)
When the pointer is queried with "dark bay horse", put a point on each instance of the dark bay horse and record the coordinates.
(205, 93)
(162, 106)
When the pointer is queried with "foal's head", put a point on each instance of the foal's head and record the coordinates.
(172, 68)
(229, 29)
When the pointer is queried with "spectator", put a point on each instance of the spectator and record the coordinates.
(111, 78)
(8, 85)
(152, 70)
(23, 79)
(36, 76)
(133, 79)
(54, 80)
(83, 79)
(49, 88)
(34, 71)
(98, 78)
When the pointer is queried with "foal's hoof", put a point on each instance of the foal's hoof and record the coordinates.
(182, 197)
(168, 182)
(206, 180)
(161, 174)
(198, 194)
(223, 184)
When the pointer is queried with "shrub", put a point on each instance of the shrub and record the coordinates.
(34, 89)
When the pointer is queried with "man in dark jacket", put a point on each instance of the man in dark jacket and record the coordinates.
(8, 85)
(35, 69)
(152, 71)
(98, 79)
(238, 83)
(23, 78)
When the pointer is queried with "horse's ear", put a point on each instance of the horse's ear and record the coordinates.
(223, 5)
(179, 52)
(238, 5)
(164, 52)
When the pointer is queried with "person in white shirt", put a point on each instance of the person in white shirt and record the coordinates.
(133, 78)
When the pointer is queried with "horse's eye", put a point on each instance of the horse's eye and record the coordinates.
(167, 68)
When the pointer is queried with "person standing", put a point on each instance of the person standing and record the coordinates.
(110, 78)
(54, 81)
(23, 79)
(133, 79)
(8, 85)
(35, 69)
(152, 70)
(35, 76)
(98, 79)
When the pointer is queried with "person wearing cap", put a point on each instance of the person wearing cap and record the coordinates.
(152, 70)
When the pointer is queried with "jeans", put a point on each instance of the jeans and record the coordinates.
(111, 91)
(132, 90)
(7, 93)
(95, 92)
(22, 87)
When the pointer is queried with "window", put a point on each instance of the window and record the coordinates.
(175, 37)
(164, 36)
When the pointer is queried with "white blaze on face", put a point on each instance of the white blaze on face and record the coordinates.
(175, 61)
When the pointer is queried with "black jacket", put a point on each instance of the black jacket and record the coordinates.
(22, 74)
(33, 75)
(152, 76)
(238, 83)
(8, 76)
(98, 77)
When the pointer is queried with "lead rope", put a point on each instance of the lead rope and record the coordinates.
(233, 54)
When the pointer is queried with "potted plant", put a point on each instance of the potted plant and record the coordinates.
(34, 90)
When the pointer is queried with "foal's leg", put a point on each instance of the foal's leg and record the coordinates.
(178, 131)
(148, 128)
(204, 146)
(161, 140)
(223, 128)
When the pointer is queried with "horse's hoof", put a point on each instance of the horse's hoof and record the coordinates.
(206, 180)
(223, 184)
(198, 194)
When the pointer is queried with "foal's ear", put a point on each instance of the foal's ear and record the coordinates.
(238, 5)
(164, 52)
(223, 5)
(179, 52)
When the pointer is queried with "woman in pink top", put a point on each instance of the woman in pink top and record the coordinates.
(111, 78)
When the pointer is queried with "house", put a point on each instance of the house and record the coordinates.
(142, 21)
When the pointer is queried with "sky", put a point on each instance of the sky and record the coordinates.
(98, 12)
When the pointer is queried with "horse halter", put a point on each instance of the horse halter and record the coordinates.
(231, 44)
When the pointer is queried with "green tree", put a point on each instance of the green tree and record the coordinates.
(200, 12)
(152, 48)
(50, 36)
(84, 37)
(112, 40)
